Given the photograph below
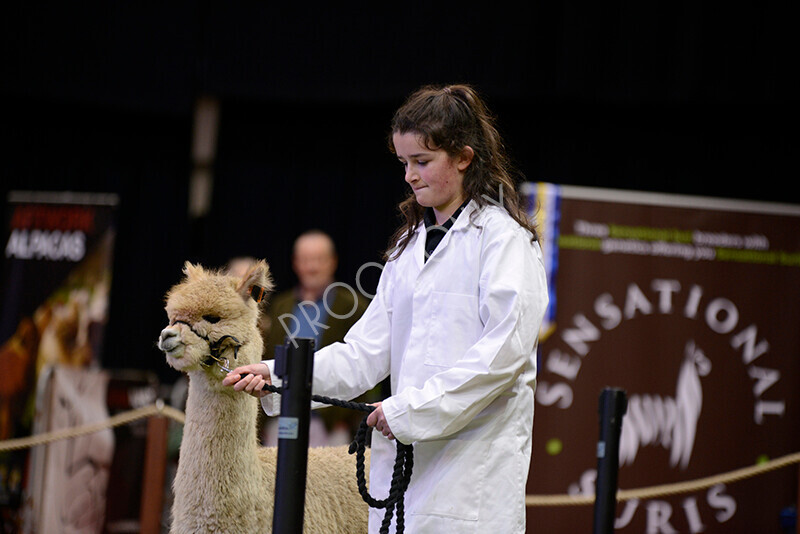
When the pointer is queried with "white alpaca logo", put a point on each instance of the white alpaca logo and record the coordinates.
(671, 422)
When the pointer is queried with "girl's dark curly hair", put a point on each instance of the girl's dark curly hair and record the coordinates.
(450, 118)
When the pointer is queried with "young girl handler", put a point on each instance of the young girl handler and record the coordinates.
(454, 323)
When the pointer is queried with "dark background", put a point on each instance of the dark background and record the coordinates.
(677, 97)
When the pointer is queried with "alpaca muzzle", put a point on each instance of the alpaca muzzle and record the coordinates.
(169, 340)
(215, 348)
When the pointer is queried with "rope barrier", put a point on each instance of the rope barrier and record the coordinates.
(161, 409)
(668, 489)
(124, 418)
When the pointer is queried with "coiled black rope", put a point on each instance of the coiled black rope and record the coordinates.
(403, 464)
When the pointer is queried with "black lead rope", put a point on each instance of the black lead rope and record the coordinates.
(403, 464)
(401, 476)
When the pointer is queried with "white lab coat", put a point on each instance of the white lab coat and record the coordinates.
(458, 335)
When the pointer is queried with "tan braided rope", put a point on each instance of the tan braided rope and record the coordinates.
(161, 409)
(669, 489)
(124, 418)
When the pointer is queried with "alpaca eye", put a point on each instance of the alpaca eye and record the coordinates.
(211, 318)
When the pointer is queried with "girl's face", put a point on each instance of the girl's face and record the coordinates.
(436, 178)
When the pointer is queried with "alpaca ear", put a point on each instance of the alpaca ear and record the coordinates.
(256, 282)
(192, 271)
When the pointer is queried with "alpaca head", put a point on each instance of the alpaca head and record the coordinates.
(213, 317)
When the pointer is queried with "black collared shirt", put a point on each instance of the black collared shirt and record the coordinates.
(435, 232)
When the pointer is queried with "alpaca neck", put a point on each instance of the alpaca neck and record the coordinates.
(219, 435)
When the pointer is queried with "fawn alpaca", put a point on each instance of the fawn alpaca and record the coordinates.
(225, 480)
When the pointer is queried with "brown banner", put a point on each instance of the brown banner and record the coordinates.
(691, 306)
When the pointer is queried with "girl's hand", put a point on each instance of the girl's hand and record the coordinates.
(378, 420)
(250, 379)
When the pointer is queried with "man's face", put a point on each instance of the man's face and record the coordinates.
(314, 262)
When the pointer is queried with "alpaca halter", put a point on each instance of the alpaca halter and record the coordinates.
(215, 349)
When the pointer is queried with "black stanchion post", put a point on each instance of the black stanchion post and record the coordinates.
(613, 404)
(294, 363)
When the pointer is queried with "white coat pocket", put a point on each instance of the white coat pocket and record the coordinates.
(451, 478)
(454, 327)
